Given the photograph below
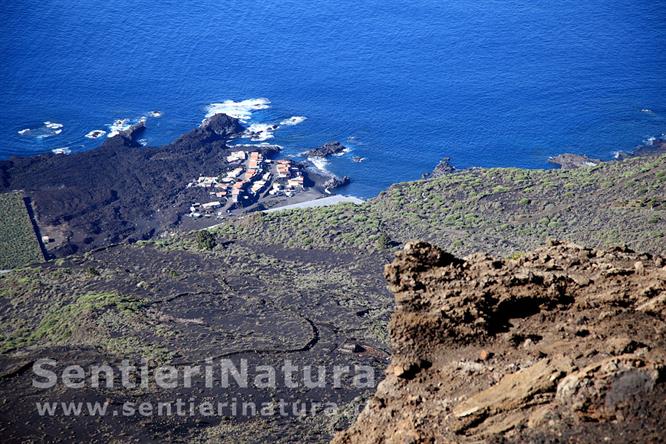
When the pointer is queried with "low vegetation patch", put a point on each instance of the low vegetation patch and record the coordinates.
(497, 210)
(59, 323)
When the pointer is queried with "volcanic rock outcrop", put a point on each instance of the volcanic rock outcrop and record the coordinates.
(561, 344)
(336, 182)
(570, 161)
(214, 130)
(442, 168)
(328, 149)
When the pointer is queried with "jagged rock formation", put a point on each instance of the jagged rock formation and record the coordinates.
(215, 130)
(129, 137)
(563, 343)
(570, 161)
(336, 182)
(442, 168)
(328, 149)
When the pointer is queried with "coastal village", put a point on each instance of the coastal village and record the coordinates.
(251, 177)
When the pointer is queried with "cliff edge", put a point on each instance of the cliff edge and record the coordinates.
(564, 343)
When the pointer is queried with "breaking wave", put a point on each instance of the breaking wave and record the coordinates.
(240, 110)
(47, 129)
(260, 132)
(320, 164)
(95, 134)
(294, 120)
(120, 125)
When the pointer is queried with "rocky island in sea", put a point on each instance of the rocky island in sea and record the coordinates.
(327, 149)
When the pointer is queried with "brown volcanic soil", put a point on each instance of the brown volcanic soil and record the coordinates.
(562, 344)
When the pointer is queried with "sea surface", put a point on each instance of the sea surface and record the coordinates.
(487, 83)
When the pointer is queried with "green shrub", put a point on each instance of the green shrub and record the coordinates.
(383, 242)
(205, 240)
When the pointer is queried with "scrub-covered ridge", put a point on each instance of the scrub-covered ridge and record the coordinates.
(501, 211)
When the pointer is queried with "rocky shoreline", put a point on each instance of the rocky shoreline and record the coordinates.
(652, 147)
(124, 192)
(569, 161)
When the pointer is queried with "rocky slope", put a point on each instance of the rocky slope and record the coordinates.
(178, 302)
(564, 343)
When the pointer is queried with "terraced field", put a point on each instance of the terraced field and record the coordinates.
(18, 243)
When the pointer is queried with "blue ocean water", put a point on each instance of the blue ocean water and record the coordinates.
(492, 83)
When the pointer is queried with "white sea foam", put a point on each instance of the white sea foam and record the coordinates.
(260, 132)
(647, 111)
(63, 150)
(118, 126)
(96, 134)
(143, 142)
(240, 110)
(293, 120)
(254, 146)
(48, 129)
(343, 152)
(53, 125)
(320, 163)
